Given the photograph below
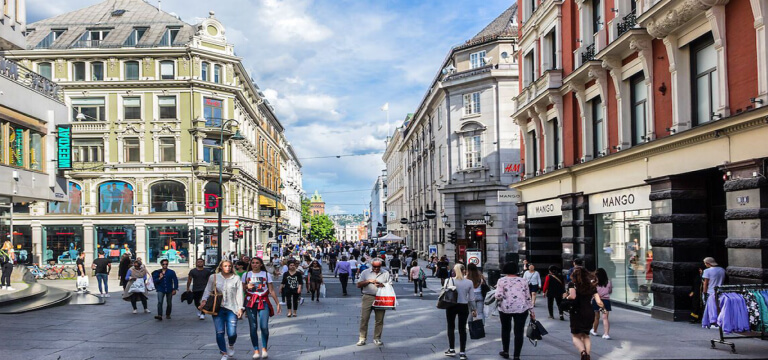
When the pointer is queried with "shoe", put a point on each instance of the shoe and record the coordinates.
(168, 317)
(584, 355)
(504, 354)
(361, 342)
(282, 303)
(450, 353)
(415, 294)
(550, 317)
(264, 354)
(301, 301)
(135, 311)
(345, 294)
(294, 315)
(231, 350)
(463, 356)
(593, 333)
(106, 294)
(146, 311)
(201, 317)
(2, 287)
(606, 337)
(224, 357)
(318, 300)
(256, 355)
(378, 342)
(159, 318)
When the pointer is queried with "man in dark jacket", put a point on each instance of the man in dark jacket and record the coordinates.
(166, 284)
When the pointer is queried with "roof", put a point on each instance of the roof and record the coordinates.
(505, 25)
(120, 17)
(316, 198)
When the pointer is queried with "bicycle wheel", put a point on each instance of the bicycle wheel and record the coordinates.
(51, 274)
(68, 273)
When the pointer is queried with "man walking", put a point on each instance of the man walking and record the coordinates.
(370, 281)
(394, 266)
(102, 267)
(198, 277)
(344, 270)
(713, 276)
(82, 285)
(166, 284)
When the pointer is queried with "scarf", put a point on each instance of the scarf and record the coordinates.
(138, 274)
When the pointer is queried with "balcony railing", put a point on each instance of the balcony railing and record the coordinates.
(87, 43)
(11, 70)
(588, 54)
(213, 123)
(627, 23)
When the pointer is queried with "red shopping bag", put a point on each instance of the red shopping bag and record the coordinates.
(385, 298)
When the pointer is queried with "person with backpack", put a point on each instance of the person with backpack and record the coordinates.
(554, 288)
(418, 277)
(6, 262)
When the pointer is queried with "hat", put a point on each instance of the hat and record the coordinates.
(710, 260)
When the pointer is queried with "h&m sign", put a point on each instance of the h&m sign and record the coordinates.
(636, 198)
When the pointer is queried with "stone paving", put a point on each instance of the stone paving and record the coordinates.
(328, 330)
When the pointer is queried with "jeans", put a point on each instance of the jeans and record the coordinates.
(506, 328)
(5, 280)
(344, 278)
(292, 299)
(554, 299)
(395, 272)
(417, 286)
(260, 319)
(462, 310)
(226, 321)
(365, 317)
(103, 278)
(160, 297)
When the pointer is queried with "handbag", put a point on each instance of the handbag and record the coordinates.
(448, 296)
(150, 284)
(215, 298)
(484, 288)
(535, 332)
(82, 282)
(476, 329)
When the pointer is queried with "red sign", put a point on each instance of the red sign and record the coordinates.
(511, 168)
(115, 233)
(168, 233)
(212, 102)
(17, 233)
(214, 221)
(58, 233)
(211, 201)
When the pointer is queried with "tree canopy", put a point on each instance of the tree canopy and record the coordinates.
(321, 228)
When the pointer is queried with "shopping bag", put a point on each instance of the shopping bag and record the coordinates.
(138, 286)
(150, 284)
(322, 290)
(535, 332)
(476, 329)
(385, 298)
(82, 282)
(490, 297)
(448, 296)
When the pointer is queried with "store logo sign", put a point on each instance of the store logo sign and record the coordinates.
(64, 147)
(636, 198)
(509, 196)
(545, 208)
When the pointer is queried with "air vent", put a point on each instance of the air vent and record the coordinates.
(118, 12)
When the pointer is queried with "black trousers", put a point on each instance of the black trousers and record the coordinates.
(136, 297)
(344, 278)
(556, 299)
(506, 328)
(417, 286)
(197, 296)
(5, 280)
(292, 299)
(462, 310)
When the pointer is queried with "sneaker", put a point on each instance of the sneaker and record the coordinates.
(264, 354)
(256, 355)
(282, 303)
(146, 311)
(378, 342)
(463, 356)
(593, 333)
(168, 317)
(450, 353)
(301, 301)
(2, 287)
(106, 294)
(224, 357)
(421, 294)
(231, 350)
(504, 354)
(606, 337)
(135, 311)
(361, 342)
(201, 317)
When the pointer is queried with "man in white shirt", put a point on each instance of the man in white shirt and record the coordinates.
(370, 281)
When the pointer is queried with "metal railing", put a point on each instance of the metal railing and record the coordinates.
(23, 76)
(588, 54)
(627, 23)
(87, 43)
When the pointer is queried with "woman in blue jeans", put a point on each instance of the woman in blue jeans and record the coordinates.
(229, 285)
(258, 288)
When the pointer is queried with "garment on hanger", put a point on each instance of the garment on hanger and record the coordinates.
(753, 310)
(734, 316)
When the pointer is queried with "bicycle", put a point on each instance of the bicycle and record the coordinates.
(36, 271)
(63, 272)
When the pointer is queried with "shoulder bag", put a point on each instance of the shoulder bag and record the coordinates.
(535, 332)
(215, 298)
(476, 329)
(448, 296)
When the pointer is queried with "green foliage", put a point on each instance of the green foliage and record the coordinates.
(321, 228)
(305, 215)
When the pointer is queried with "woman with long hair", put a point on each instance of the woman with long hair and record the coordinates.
(604, 289)
(582, 289)
(416, 275)
(465, 302)
(514, 303)
(258, 288)
(442, 270)
(478, 280)
(315, 279)
(231, 288)
(554, 288)
(290, 286)
(122, 270)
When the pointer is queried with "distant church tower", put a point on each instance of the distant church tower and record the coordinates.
(316, 204)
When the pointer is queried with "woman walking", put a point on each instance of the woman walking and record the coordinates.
(315, 279)
(604, 289)
(442, 270)
(582, 289)
(417, 276)
(231, 289)
(136, 275)
(291, 288)
(480, 288)
(554, 288)
(514, 302)
(465, 302)
(122, 270)
(534, 282)
(258, 288)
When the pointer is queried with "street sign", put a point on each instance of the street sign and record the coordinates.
(260, 254)
(275, 250)
(210, 257)
(403, 221)
(474, 257)
(432, 250)
(430, 214)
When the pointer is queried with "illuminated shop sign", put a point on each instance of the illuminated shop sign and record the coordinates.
(64, 147)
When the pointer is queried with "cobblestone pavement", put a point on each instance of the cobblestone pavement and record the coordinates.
(328, 330)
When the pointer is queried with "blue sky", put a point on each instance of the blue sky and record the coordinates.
(329, 65)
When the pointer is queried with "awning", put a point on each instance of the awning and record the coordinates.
(265, 201)
(280, 206)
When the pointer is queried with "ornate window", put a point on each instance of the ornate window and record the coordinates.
(115, 197)
(73, 206)
(168, 196)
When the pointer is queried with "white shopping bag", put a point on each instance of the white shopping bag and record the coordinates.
(322, 290)
(150, 284)
(82, 282)
(385, 298)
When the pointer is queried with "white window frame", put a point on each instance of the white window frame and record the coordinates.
(125, 150)
(160, 147)
(160, 69)
(50, 65)
(476, 59)
(176, 104)
(472, 145)
(124, 73)
(122, 106)
(472, 104)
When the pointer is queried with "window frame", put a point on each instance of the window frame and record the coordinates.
(204, 71)
(135, 36)
(134, 148)
(161, 147)
(695, 48)
(635, 138)
(172, 65)
(555, 143)
(472, 151)
(125, 113)
(50, 69)
(217, 73)
(596, 16)
(91, 146)
(138, 70)
(75, 71)
(94, 72)
(476, 59)
(169, 36)
(160, 107)
(598, 126)
(471, 103)
(101, 112)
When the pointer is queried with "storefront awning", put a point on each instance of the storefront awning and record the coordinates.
(280, 206)
(265, 201)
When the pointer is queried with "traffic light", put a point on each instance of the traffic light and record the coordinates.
(479, 233)
(453, 237)
(232, 236)
(200, 236)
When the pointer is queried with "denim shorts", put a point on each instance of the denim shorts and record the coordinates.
(606, 303)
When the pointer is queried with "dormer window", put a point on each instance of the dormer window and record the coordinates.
(135, 36)
(477, 59)
(169, 37)
(92, 38)
(50, 39)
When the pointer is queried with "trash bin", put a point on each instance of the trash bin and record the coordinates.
(493, 277)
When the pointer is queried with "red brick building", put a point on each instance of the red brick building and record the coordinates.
(644, 126)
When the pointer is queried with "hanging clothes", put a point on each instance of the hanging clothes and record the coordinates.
(762, 305)
(753, 310)
(734, 316)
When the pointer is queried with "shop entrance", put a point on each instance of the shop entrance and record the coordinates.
(544, 242)
(717, 226)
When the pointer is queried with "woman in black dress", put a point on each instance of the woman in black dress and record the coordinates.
(125, 264)
(442, 270)
(582, 289)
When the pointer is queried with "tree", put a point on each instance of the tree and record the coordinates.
(305, 215)
(322, 228)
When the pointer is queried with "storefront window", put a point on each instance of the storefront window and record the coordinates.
(168, 243)
(212, 195)
(114, 241)
(73, 206)
(15, 146)
(624, 251)
(115, 197)
(211, 241)
(35, 151)
(168, 196)
(62, 243)
(22, 244)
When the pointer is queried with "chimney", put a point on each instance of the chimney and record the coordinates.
(159, 5)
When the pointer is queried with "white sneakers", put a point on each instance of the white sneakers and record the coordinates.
(264, 354)
(9, 288)
(135, 312)
(593, 333)
(201, 316)
(146, 311)
(361, 342)
(256, 355)
(231, 350)
(224, 357)
(606, 337)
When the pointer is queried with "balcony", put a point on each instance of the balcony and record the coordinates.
(551, 79)
(211, 127)
(626, 23)
(29, 79)
(210, 170)
(96, 127)
(88, 44)
(588, 54)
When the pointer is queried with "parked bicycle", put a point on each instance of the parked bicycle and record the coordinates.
(37, 271)
(62, 272)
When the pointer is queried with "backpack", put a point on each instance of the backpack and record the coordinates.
(4, 258)
(422, 276)
(363, 267)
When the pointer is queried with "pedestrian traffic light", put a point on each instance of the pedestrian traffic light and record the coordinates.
(453, 237)
(479, 233)
(232, 236)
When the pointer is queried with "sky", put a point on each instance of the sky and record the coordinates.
(328, 66)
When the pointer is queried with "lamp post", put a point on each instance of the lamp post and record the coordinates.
(235, 137)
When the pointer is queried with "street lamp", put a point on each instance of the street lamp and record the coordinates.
(444, 217)
(236, 137)
(487, 218)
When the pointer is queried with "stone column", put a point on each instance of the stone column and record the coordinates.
(578, 229)
(37, 242)
(747, 216)
(569, 230)
(141, 240)
(522, 233)
(89, 246)
(679, 240)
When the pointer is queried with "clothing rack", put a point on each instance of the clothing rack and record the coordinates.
(732, 289)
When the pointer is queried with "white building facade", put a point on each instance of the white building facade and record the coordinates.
(292, 193)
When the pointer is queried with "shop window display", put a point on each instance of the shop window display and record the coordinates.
(168, 196)
(115, 197)
(168, 243)
(624, 251)
(73, 206)
(114, 241)
(22, 244)
(62, 244)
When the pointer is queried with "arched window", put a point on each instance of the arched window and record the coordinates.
(115, 197)
(212, 195)
(167, 196)
(73, 206)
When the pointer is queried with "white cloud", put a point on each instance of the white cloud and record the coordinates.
(287, 21)
(292, 107)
